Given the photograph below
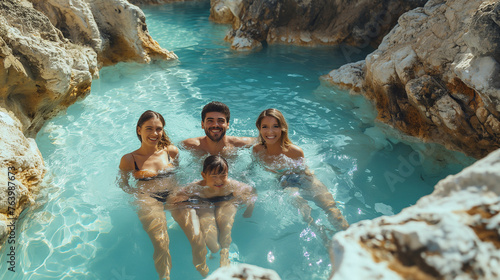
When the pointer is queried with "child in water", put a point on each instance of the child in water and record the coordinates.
(211, 205)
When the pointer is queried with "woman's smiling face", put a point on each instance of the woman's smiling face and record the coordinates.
(270, 130)
(151, 131)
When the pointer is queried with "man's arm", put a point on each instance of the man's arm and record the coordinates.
(243, 142)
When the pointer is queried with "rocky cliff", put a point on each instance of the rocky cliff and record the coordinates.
(305, 22)
(50, 50)
(435, 75)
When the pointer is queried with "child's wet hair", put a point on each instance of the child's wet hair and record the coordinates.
(215, 165)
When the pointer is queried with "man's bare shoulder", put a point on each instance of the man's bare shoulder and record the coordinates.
(241, 141)
(192, 143)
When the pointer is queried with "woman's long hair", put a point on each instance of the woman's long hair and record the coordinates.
(146, 116)
(275, 113)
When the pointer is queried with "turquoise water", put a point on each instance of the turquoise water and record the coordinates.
(85, 227)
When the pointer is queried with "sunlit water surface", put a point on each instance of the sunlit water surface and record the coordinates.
(85, 227)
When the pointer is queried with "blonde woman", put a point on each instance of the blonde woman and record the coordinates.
(281, 156)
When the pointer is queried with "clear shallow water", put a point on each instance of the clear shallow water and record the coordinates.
(85, 226)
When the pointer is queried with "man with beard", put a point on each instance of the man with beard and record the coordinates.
(215, 121)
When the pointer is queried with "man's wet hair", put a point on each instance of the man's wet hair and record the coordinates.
(215, 106)
(215, 164)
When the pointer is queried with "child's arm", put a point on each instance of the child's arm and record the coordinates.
(250, 206)
(248, 195)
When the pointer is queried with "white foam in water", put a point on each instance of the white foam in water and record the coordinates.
(86, 227)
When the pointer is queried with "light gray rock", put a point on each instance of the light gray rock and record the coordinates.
(243, 272)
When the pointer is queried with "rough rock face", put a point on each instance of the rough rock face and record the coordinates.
(453, 233)
(306, 22)
(223, 11)
(115, 29)
(21, 173)
(243, 272)
(435, 75)
(49, 52)
(41, 70)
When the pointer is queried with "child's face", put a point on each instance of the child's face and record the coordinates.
(215, 180)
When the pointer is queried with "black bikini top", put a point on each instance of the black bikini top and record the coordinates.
(151, 175)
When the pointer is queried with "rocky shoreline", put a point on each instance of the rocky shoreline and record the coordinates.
(433, 76)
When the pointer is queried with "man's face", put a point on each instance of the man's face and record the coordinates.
(215, 125)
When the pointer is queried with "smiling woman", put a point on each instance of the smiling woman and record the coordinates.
(156, 158)
(287, 160)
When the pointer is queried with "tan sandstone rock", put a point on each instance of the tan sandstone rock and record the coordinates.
(222, 11)
(21, 171)
(115, 29)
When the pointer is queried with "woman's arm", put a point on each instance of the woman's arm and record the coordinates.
(173, 152)
(126, 166)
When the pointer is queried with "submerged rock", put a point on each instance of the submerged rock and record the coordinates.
(453, 233)
(243, 272)
(435, 75)
(50, 51)
(306, 22)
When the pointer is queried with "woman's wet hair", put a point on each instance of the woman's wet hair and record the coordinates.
(215, 106)
(275, 113)
(215, 165)
(146, 116)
